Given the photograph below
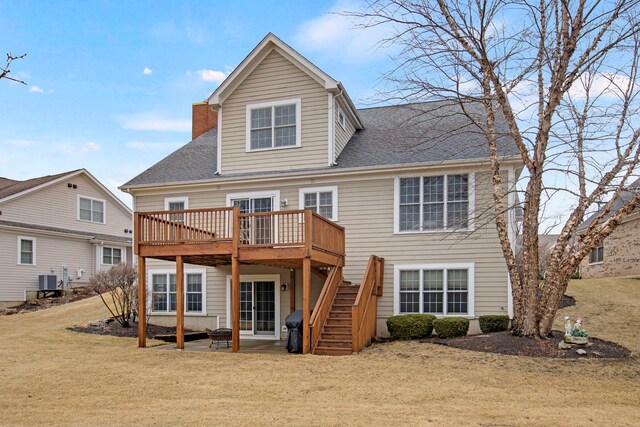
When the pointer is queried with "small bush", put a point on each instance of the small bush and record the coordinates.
(494, 323)
(451, 327)
(410, 326)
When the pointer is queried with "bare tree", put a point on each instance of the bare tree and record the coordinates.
(119, 283)
(4, 72)
(562, 74)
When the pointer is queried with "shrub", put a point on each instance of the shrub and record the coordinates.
(410, 326)
(494, 323)
(451, 327)
(120, 283)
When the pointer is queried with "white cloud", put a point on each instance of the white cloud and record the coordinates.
(22, 142)
(81, 148)
(147, 71)
(36, 89)
(153, 121)
(209, 75)
(145, 145)
(606, 85)
(338, 35)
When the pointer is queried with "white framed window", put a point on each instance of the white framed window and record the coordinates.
(431, 203)
(26, 250)
(597, 254)
(440, 289)
(274, 125)
(91, 209)
(341, 118)
(163, 291)
(322, 200)
(111, 256)
(176, 203)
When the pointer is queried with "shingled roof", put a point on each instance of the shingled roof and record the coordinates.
(625, 196)
(428, 132)
(9, 187)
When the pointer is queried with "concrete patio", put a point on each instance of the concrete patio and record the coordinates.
(249, 346)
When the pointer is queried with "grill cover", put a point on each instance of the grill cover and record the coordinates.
(294, 335)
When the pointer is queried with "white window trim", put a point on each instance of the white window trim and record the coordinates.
(332, 189)
(183, 199)
(189, 270)
(104, 205)
(123, 254)
(454, 266)
(33, 239)
(599, 262)
(343, 125)
(257, 278)
(298, 104)
(471, 200)
(275, 194)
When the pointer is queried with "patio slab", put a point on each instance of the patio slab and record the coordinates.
(246, 346)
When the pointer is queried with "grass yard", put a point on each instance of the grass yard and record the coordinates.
(53, 376)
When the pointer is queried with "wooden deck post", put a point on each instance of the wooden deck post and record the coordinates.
(306, 304)
(179, 303)
(292, 290)
(142, 303)
(235, 304)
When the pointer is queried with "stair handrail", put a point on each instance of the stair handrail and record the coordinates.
(364, 310)
(324, 303)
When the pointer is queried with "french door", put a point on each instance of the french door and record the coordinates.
(258, 308)
(256, 230)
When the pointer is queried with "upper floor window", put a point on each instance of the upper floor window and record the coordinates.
(322, 200)
(176, 204)
(90, 209)
(111, 256)
(273, 125)
(432, 203)
(341, 118)
(597, 254)
(26, 250)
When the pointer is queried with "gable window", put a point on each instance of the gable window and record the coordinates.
(433, 289)
(164, 292)
(90, 209)
(273, 125)
(321, 200)
(26, 250)
(111, 256)
(597, 255)
(432, 203)
(341, 118)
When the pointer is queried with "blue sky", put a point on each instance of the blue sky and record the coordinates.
(110, 84)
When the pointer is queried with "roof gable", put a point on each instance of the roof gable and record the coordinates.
(257, 55)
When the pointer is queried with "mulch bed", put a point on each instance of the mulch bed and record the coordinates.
(116, 330)
(507, 343)
(71, 295)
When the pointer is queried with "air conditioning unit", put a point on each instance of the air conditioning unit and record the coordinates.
(47, 282)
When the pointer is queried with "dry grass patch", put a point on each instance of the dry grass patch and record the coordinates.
(54, 376)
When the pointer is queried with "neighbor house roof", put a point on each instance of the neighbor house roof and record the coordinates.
(625, 196)
(9, 187)
(87, 235)
(429, 132)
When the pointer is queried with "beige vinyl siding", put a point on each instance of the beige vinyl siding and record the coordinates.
(57, 206)
(275, 78)
(51, 254)
(366, 210)
(342, 136)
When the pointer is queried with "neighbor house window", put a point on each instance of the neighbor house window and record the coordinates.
(26, 250)
(111, 256)
(163, 292)
(432, 203)
(273, 125)
(597, 255)
(440, 290)
(341, 118)
(322, 200)
(91, 209)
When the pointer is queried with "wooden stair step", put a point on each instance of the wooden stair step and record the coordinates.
(340, 314)
(340, 308)
(339, 329)
(335, 336)
(336, 321)
(333, 343)
(330, 351)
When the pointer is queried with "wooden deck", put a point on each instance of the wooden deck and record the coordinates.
(219, 236)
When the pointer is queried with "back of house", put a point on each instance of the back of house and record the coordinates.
(406, 183)
(64, 227)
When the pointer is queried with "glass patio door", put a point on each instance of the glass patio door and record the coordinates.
(256, 230)
(258, 307)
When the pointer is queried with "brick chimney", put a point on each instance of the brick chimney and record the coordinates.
(203, 119)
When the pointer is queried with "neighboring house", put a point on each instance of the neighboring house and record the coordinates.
(67, 225)
(277, 148)
(618, 254)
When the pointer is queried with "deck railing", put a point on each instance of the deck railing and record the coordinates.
(365, 307)
(323, 305)
(295, 228)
